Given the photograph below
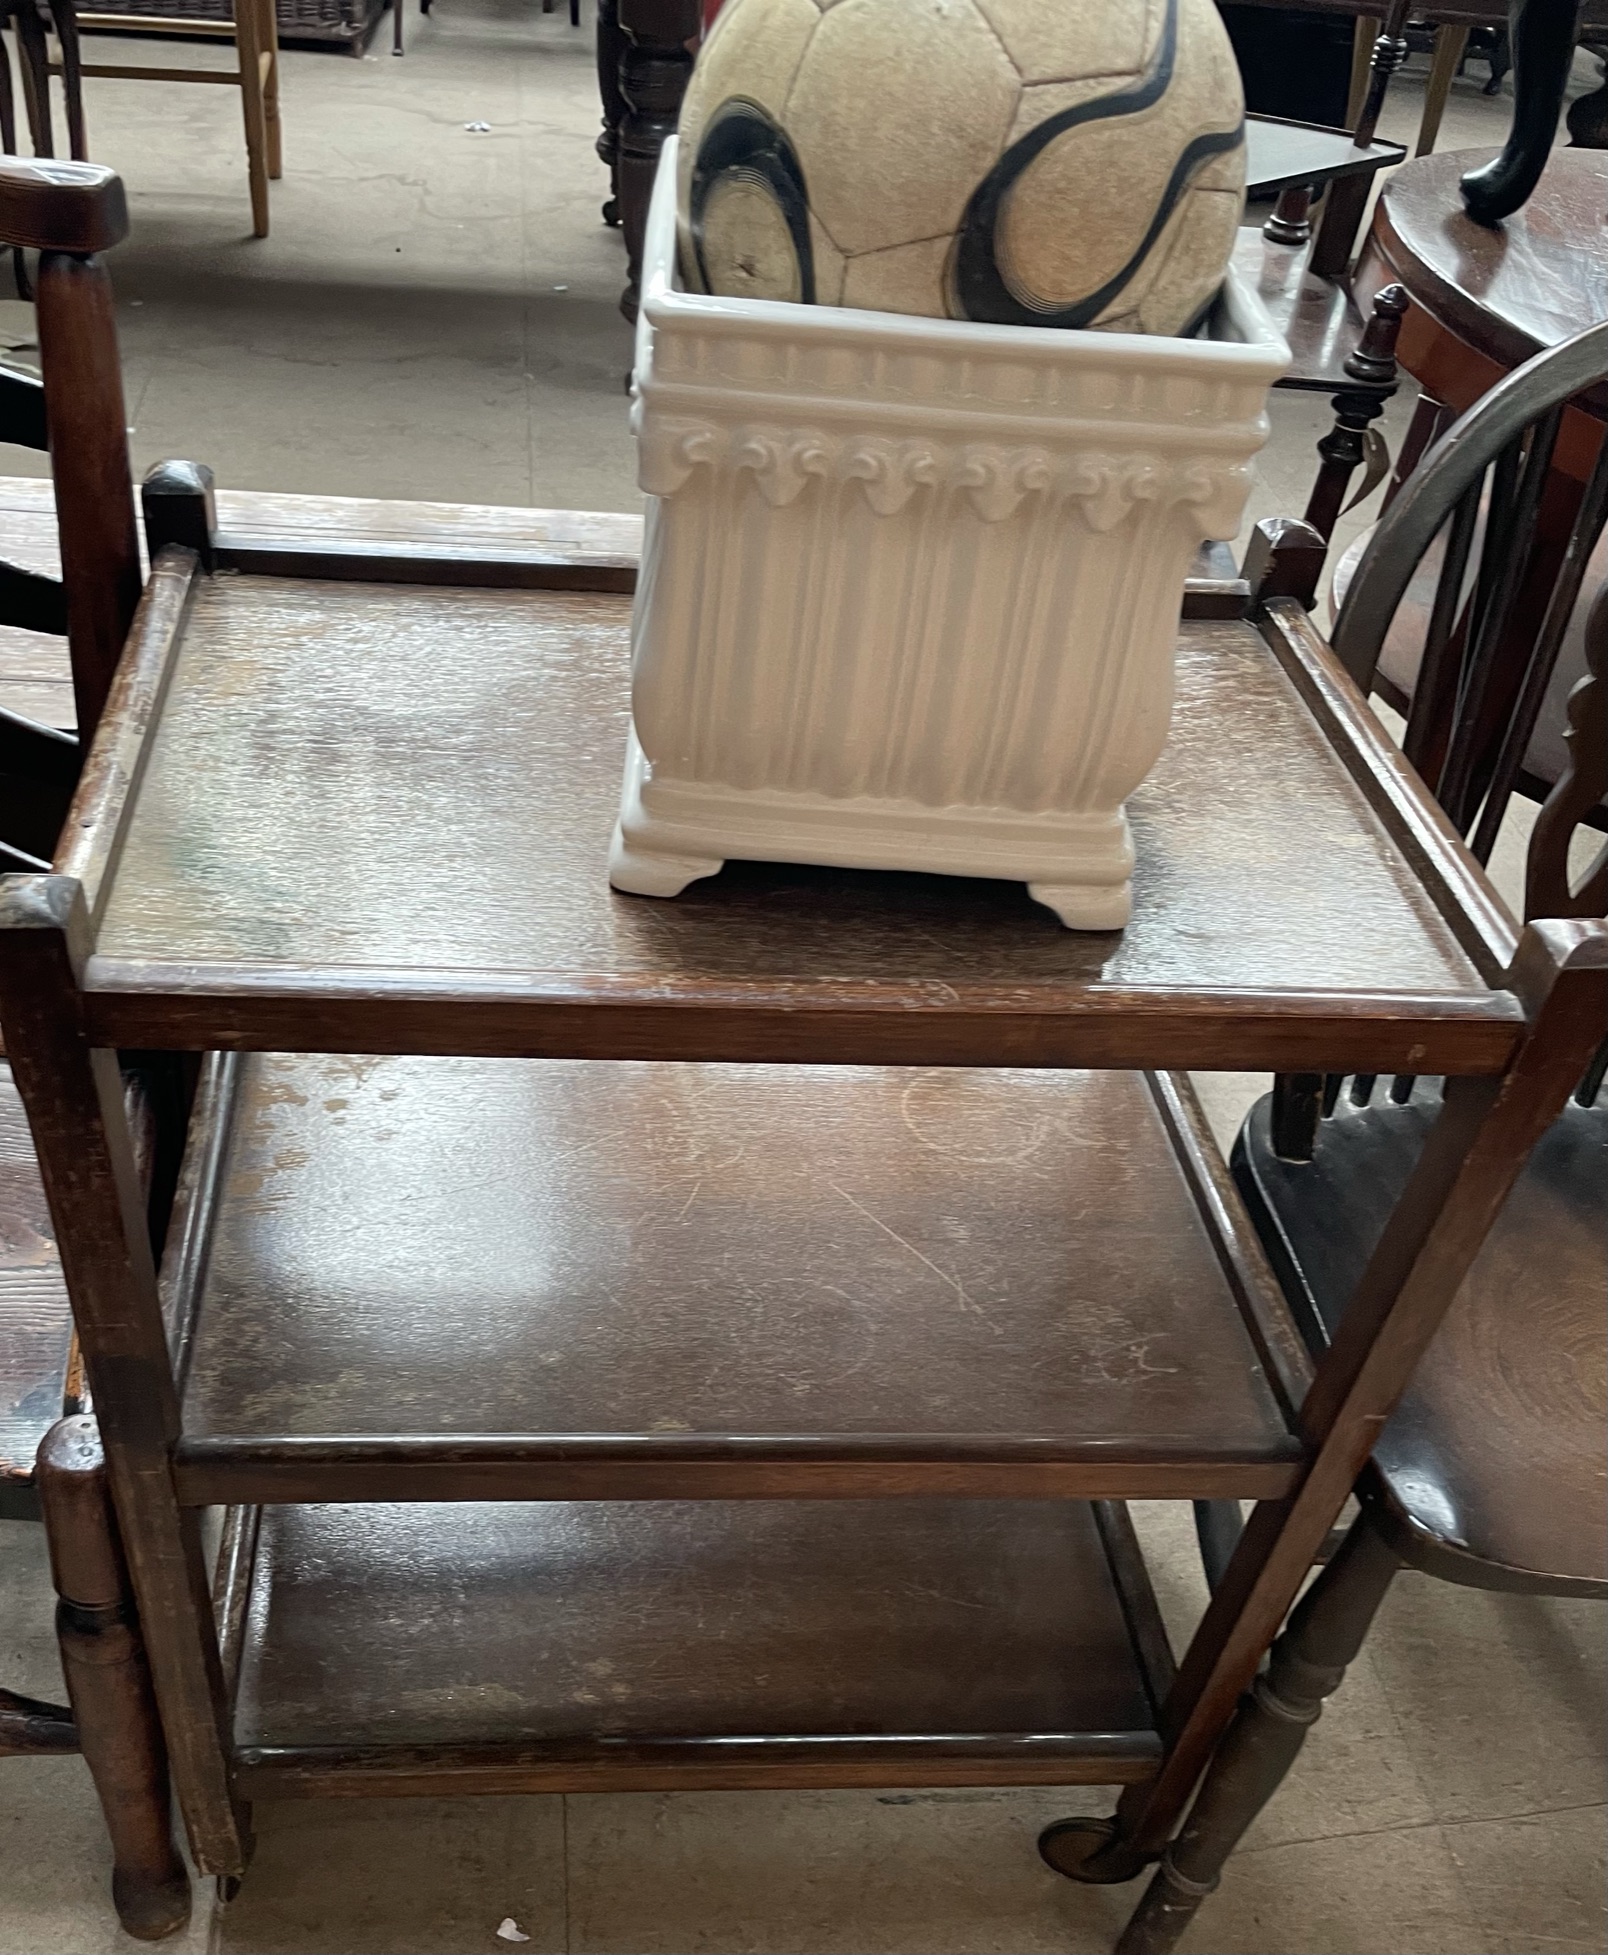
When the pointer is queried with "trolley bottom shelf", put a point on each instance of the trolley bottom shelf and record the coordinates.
(638, 1646)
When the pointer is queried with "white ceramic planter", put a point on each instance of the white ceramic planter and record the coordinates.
(910, 587)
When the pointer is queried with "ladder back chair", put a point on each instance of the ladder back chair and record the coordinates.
(51, 1465)
(1491, 1473)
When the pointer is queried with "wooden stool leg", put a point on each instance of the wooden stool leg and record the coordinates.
(270, 89)
(109, 1681)
(248, 46)
(1307, 1664)
(1450, 43)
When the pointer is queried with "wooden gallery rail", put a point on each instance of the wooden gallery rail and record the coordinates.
(551, 1267)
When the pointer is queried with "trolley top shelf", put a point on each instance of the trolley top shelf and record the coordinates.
(357, 811)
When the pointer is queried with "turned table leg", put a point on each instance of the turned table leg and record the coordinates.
(109, 1681)
(1306, 1665)
(1344, 448)
(659, 37)
(611, 46)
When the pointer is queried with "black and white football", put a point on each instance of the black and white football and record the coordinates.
(1074, 163)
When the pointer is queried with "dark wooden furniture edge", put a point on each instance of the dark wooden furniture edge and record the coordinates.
(189, 1236)
(374, 563)
(629, 1466)
(1263, 1308)
(1131, 1577)
(800, 1021)
(683, 1765)
(96, 823)
(1484, 926)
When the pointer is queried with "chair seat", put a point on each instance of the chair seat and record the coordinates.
(1493, 1466)
(37, 1353)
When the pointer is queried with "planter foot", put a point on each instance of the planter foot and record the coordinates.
(1086, 905)
(642, 872)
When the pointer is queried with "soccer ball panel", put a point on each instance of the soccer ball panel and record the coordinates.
(829, 265)
(1188, 259)
(746, 234)
(898, 109)
(1115, 173)
(1047, 98)
(753, 53)
(904, 278)
(1062, 40)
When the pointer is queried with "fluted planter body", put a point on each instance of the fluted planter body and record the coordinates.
(910, 587)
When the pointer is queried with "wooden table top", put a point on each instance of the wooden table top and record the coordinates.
(1511, 289)
(376, 817)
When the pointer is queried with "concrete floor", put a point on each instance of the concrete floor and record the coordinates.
(435, 316)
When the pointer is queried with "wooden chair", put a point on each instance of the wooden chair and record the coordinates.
(1491, 1472)
(51, 1465)
(254, 30)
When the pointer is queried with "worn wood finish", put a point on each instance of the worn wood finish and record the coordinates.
(761, 1273)
(280, 944)
(522, 1648)
(47, 205)
(75, 1105)
(109, 1681)
(1231, 955)
(37, 1341)
(92, 836)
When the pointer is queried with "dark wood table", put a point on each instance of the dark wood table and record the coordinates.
(1486, 298)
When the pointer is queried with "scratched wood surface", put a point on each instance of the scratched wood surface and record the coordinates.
(603, 1632)
(328, 749)
(981, 1264)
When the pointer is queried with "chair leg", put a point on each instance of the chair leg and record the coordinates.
(109, 1681)
(1450, 44)
(396, 26)
(1307, 1664)
(248, 46)
(269, 32)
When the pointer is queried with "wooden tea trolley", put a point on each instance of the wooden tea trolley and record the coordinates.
(709, 1343)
